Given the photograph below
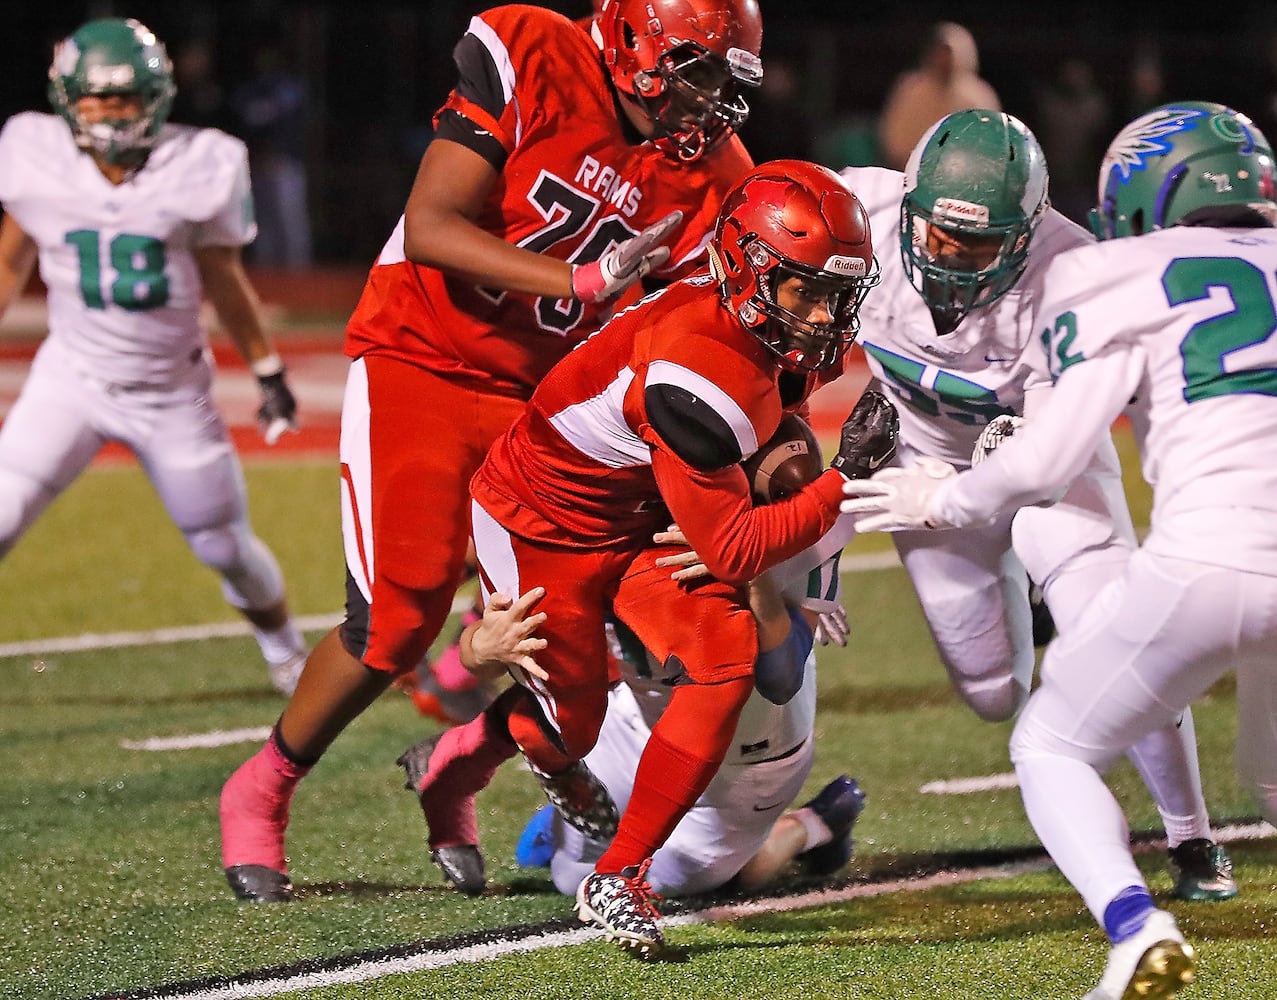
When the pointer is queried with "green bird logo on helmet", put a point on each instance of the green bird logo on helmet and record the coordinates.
(980, 177)
(1190, 163)
(104, 58)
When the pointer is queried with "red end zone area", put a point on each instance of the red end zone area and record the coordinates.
(317, 374)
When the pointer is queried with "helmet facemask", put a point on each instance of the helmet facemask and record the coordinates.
(798, 343)
(695, 98)
(977, 265)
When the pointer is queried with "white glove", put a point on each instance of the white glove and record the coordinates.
(624, 264)
(832, 628)
(995, 432)
(897, 499)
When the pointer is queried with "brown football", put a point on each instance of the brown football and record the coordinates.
(786, 462)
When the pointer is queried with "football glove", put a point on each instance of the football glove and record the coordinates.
(278, 412)
(995, 432)
(868, 436)
(624, 264)
(897, 499)
(832, 628)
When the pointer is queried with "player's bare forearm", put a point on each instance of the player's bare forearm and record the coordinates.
(227, 288)
(452, 185)
(18, 254)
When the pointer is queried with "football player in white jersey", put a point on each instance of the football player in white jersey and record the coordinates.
(949, 334)
(1170, 318)
(131, 219)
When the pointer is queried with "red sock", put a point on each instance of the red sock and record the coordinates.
(254, 808)
(687, 745)
(461, 765)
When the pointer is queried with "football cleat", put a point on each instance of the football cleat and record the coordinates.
(284, 676)
(1153, 964)
(536, 843)
(839, 804)
(462, 866)
(621, 904)
(1203, 871)
(259, 884)
(449, 819)
(581, 799)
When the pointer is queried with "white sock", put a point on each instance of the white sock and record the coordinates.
(817, 832)
(282, 644)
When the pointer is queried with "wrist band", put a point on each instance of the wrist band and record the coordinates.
(265, 367)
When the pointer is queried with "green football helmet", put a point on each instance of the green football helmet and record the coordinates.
(1184, 163)
(979, 175)
(113, 56)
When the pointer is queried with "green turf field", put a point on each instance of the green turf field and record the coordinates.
(113, 885)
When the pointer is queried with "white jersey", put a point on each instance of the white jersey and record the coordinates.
(123, 287)
(1177, 327)
(946, 388)
(765, 730)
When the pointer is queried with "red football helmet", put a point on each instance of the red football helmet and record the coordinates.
(686, 62)
(787, 219)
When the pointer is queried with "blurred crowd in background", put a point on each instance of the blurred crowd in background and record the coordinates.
(335, 99)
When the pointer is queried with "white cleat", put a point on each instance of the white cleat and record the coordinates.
(1153, 965)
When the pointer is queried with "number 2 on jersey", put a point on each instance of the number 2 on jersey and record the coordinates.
(1252, 321)
(138, 262)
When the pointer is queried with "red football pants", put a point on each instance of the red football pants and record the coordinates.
(410, 442)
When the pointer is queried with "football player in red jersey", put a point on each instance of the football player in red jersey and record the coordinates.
(644, 423)
(565, 167)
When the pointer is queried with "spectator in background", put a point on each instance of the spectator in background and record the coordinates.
(1146, 83)
(1072, 125)
(201, 99)
(946, 79)
(270, 112)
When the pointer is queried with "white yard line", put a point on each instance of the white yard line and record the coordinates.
(442, 956)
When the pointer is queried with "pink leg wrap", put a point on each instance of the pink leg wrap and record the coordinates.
(461, 765)
(254, 809)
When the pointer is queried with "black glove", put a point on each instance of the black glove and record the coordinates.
(868, 436)
(278, 411)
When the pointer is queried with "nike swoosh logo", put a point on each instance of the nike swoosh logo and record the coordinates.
(994, 361)
(873, 463)
(774, 805)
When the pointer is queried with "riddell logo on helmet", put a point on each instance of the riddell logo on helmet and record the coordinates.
(853, 267)
(102, 77)
(961, 211)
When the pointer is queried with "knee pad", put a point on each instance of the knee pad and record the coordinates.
(989, 669)
(251, 578)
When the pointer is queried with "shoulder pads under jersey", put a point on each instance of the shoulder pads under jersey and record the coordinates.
(692, 429)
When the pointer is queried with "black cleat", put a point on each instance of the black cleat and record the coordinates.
(259, 884)
(581, 799)
(463, 867)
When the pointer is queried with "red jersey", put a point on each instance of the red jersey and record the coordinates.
(535, 99)
(584, 467)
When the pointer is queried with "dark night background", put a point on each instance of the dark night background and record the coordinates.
(374, 72)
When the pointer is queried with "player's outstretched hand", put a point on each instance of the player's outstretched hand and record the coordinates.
(868, 436)
(897, 499)
(831, 627)
(278, 412)
(687, 564)
(624, 264)
(504, 640)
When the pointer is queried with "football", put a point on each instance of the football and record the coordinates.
(786, 462)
